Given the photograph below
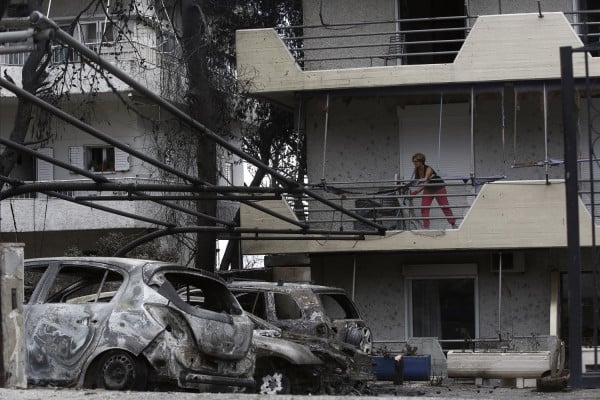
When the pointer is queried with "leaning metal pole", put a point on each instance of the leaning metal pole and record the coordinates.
(572, 205)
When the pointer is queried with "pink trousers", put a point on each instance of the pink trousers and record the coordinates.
(442, 201)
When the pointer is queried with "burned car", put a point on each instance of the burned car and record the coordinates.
(288, 362)
(315, 310)
(124, 324)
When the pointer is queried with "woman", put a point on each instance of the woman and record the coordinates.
(430, 184)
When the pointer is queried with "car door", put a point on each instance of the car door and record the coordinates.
(64, 318)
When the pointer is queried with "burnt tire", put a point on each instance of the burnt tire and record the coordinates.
(119, 370)
(273, 381)
(360, 337)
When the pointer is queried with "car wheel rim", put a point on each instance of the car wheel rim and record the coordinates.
(366, 343)
(119, 372)
(272, 383)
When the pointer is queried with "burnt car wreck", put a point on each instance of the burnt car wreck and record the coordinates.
(288, 362)
(124, 324)
(313, 310)
(127, 324)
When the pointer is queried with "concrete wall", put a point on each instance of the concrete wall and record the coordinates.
(319, 14)
(364, 136)
(380, 289)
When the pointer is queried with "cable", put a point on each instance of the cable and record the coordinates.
(12, 210)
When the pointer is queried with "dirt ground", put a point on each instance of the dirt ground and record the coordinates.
(454, 390)
(381, 391)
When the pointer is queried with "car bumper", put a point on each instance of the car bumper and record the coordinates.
(191, 380)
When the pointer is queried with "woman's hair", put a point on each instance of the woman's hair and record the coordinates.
(418, 157)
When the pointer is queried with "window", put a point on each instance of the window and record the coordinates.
(61, 53)
(204, 293)
(443, 308)
(442, 302)
(14, 58)
(97, 34)
(94, 35)
(338, 306)
(84, 284)
(99, 158)
(587, 307)
(254, 303)
(286, 307)
(31, 279)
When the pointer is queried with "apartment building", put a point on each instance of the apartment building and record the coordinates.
(141, 42)
(474, 86)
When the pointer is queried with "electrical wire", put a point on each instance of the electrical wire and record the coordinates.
(12, 210)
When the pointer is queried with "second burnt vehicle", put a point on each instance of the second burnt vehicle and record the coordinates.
(124, 324)
(288, 362)
(314, 310)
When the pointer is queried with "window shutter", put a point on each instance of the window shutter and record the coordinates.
(121, 160)
(45, 170)
(76, 156)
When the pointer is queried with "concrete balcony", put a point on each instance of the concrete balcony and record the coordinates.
(502, 215)
(497, 48)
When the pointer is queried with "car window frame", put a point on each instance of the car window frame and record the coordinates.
(54, 267)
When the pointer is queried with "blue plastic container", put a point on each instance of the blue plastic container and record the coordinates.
(416, 368)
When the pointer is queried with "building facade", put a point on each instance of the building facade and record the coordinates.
(140, 41)
(475, 86)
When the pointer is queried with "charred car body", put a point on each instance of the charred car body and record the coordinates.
(125, 324)
(314, 310)
(288, 362)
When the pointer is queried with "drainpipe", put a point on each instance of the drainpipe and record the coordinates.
(325, 137)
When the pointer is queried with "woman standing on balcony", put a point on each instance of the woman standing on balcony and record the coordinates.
(430, 184)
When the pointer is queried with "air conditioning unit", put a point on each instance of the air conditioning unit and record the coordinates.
(511, 262)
